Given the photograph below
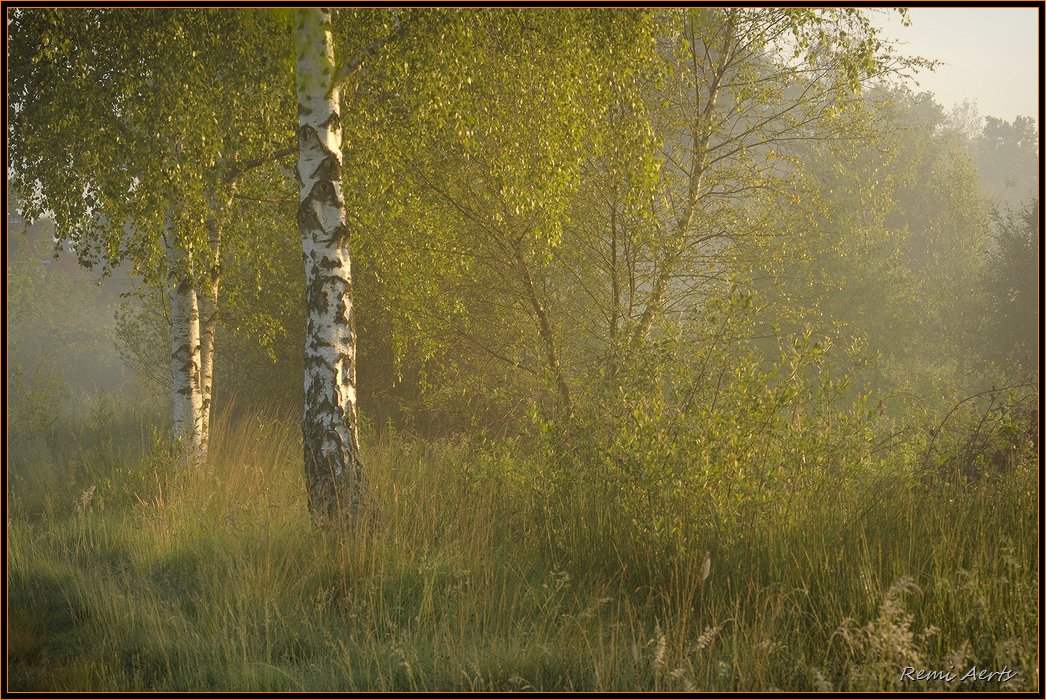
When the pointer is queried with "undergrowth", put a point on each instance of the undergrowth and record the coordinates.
(657, 559)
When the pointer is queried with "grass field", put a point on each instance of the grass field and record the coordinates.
(125, 574)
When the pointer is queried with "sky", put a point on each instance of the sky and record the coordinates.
(991, 55)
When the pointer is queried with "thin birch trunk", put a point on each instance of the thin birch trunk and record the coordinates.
(187, 396)
(208, 302)
(333, 469)
(701, 137)
(615, 294)
(547, 334)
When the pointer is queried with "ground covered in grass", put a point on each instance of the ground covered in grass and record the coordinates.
(489, 568)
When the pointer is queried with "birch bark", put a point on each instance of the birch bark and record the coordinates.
(186, 391)
(208, 303)
(333, 469)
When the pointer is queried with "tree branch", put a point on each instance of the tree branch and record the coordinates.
(266, 200)
(349, 69)
(238, 168)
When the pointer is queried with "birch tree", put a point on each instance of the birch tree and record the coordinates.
(330, 422)
(490, 179)
(582, 196)
(741, 88)
(187, 387)
(134, 128)
(710, 133)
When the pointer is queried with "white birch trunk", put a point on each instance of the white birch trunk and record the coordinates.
(208, 303)
(185, 357)
(333, 468)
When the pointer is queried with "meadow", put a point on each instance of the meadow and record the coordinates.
(480, 574)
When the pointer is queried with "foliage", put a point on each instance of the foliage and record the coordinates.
(1011, 332)
(1007, 156)
(121, 114)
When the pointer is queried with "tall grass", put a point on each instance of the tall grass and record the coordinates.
(481, 574)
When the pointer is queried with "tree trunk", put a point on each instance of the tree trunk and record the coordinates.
(208, 302)
(333, 469)
(700, 137)
(545, 328)
(615, 295)
(185, 357)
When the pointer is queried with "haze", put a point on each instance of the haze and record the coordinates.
(990, 55)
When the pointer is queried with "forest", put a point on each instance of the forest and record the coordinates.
(514, 349)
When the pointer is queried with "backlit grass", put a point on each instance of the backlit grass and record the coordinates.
(127, 575)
